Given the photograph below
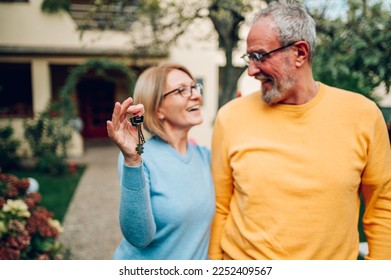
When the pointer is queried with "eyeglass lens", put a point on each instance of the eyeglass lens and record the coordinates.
(187, 91)
(259, 57)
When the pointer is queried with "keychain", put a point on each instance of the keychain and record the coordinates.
(137, 120)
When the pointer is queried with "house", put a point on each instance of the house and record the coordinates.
(38, 50)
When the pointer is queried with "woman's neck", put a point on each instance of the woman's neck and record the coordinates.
(178, 140)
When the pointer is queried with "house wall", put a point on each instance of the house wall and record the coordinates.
(23, 25)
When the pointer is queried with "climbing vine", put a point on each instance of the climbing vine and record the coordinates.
(103, 68)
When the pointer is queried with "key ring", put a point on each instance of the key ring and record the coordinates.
(137, 120)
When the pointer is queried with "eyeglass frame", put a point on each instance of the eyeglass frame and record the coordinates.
(258, 57)
(197, 86)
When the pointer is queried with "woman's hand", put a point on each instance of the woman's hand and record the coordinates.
(121, 131)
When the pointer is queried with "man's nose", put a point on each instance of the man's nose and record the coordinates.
(252, 69)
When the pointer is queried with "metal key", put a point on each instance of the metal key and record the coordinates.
(137, 121)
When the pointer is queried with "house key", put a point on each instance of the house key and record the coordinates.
(137, 120)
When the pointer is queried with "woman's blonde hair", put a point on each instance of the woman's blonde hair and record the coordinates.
(149, 90)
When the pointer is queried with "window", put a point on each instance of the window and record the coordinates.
(15, 90)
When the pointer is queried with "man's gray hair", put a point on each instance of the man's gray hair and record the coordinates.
(293, 23)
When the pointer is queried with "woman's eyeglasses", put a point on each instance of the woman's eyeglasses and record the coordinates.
(186, 91)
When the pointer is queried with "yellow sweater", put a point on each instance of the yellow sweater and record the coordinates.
(288, 178)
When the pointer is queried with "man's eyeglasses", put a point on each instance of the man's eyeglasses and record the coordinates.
(186, 91)
(259, 57)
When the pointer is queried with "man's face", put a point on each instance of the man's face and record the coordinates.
(276, 71)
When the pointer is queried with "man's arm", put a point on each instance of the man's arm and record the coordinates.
(376, 188)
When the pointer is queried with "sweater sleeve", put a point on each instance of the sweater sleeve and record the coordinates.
(221, 171)
(135, 213)
(376, 189)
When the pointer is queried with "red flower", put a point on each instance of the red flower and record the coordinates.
(19, 242)
(7, 253)
(11, 191)
(38, 222)
(32, 199)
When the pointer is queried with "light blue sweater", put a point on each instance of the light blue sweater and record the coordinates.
(167, 204)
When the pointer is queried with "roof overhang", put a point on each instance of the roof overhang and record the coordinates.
(75, 52)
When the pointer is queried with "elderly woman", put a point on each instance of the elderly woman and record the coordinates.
(167, 196)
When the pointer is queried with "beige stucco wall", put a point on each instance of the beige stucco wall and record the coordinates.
(24, 24)
(41, 84)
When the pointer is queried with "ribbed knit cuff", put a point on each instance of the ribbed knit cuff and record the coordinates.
(133, 177)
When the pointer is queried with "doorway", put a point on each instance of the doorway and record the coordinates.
(95, 103)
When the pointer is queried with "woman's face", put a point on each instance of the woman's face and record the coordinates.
(180, 112)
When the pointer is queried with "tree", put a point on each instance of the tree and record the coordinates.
(227, 16)
(353, 50)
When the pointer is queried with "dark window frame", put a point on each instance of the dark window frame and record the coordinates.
(16, 93)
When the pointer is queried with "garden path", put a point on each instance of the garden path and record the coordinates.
(91, 229)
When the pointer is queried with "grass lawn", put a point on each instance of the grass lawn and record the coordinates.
(56, 191)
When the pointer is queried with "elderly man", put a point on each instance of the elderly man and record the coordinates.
(291, 161)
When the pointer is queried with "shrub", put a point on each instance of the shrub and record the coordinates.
(48, 136)
(27, 229)
(8, 147)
